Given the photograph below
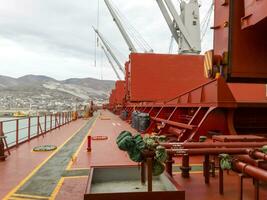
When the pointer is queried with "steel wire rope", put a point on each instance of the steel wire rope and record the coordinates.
(132, 30)
(116, 50)
(108, 44)
(206, 21)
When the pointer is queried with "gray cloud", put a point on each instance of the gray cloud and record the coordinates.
(60, 30)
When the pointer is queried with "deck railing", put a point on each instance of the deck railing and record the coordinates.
(21, 130)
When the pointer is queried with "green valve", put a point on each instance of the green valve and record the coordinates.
(202, 138)
(264, 149)
(225, 162)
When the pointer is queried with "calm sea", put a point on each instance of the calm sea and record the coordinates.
(9, 128)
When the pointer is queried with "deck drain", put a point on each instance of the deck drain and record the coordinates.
(45, 148)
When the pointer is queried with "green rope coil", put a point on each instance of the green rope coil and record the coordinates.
(134, 145)
(45, 148)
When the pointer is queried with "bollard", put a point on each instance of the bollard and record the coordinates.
(89, 144)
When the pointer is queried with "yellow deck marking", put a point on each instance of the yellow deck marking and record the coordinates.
(179, 165)
(70, 177)
(60, 183)
(75, 155)
(18, 198)
(193, 172)
(105, 118)
(30, 196)
(57, 188)
(39, 166)
(73, 169)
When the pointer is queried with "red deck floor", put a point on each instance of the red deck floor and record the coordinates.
(197, 190)
(23, 161)
(105, 153)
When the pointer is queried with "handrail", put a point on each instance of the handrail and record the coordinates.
(24, 129)
(191, 90)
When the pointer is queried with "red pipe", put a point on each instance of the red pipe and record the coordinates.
(206, 151)
(255, 172)
(192, 145)
(256, 154)
(174, 131)
(251, 161)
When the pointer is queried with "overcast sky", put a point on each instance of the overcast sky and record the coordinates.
(55, 38)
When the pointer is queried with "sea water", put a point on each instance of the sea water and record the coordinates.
(9, 128)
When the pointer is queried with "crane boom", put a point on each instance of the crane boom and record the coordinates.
(168, 19)
(109, 50)
(110, 62)
(121, 28)
(185, 28)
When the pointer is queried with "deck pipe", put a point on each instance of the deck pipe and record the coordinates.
(256, 154)
(198, 145)
(247, 159)
(148, 164)
(255, 172)
(205, 151)
(174, 131)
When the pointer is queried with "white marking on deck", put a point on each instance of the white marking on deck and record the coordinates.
(113, 124)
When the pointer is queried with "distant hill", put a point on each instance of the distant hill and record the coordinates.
(31, 85)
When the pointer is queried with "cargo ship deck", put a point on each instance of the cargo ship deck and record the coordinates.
(63, 173)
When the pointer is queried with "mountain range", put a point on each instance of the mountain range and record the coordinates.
(32, 85)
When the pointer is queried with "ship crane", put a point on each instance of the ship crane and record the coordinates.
(110, 62)
(126, 33)
(185, 28)
(121, 28)
(109, 50)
